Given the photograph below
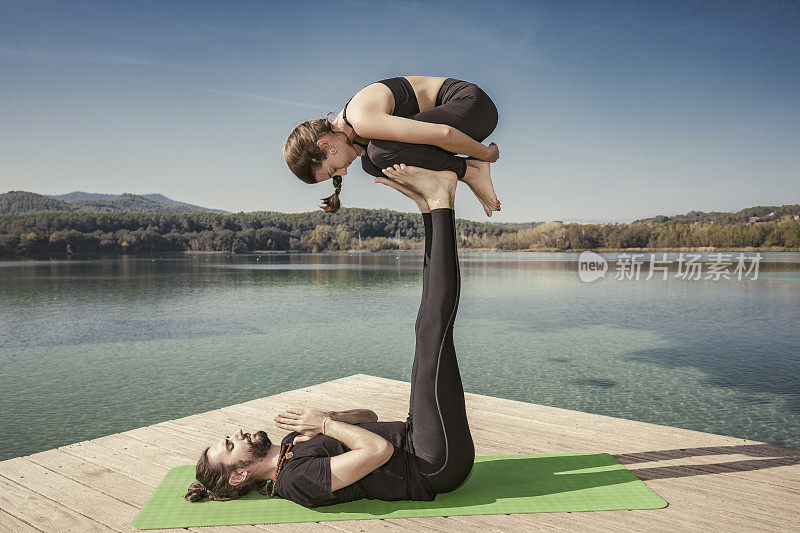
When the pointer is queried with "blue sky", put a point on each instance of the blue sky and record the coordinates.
(608, 110)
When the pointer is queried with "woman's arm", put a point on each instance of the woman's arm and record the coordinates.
(378, 125)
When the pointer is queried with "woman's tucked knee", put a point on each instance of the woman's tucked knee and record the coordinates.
(382, 153)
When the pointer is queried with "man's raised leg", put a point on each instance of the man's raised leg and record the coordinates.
(439, 432)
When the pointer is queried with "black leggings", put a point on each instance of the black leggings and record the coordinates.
(460, 104)
(438, 431)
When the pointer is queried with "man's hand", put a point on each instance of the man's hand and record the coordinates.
(306, 421)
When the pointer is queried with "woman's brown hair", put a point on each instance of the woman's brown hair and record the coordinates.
(212, 481)
(304, 156)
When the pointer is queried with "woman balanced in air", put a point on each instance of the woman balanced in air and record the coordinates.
(420, 121)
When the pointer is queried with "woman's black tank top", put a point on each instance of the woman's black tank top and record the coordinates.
(405, 100)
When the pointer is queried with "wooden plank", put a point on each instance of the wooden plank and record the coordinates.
(188, 437)
(302, 527)
(745, 462)
(97, 477)
(740, 498)
(120, 485)
(48, 515)
(141, 470)
(438, 523)
(357, 526)
(12, 524)
(504, 522)
(203, 431)
(711, 481)
(112, 513)
(113, 483)
(140, 446)
(224, 529)
(172, 440)
(93, 484)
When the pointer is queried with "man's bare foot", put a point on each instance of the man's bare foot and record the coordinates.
(414, 195)
(479, 179)
(438, 187)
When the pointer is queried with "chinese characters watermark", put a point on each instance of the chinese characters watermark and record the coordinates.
(689, 266)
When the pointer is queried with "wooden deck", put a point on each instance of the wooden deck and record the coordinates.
(711, 482)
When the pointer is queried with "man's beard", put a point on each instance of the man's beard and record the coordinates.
(259, 444)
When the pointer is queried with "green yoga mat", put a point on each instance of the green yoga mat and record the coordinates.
(498, 484)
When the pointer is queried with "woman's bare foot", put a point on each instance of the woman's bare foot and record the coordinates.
(479, 179)
(414, 195)
(438, 187)
(483, 204)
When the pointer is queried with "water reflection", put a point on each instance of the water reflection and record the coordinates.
(96, 347)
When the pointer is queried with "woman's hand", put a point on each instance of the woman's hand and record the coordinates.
(306, 421)
(493, 153)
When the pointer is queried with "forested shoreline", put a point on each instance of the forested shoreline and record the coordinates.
(48, 234)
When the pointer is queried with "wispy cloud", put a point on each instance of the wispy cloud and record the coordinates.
(106, 59)
(588, 151)
(504, 40)
(239, 94)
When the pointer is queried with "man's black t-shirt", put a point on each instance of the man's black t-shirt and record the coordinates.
(305, 478)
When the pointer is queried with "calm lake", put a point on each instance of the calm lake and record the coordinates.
(89, 348)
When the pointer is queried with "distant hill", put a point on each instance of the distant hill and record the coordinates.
(79, 195)
(20, 202)
(764, 213)
(132, 203)
(126, 202)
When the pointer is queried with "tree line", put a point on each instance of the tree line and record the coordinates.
(48, 234)
(766, 213)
